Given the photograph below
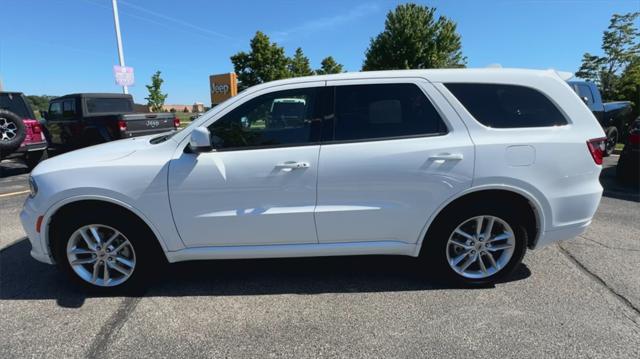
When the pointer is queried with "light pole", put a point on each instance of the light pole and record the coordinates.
(116, 22)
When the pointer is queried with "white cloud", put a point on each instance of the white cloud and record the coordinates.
(325, 22)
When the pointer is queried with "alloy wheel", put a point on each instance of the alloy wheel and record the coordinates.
(480, 247)
(101, 255)
(8, 129)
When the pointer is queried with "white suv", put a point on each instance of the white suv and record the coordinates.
(466, 168)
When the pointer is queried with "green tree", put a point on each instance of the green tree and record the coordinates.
(265, 62)
(156, 98)
(620, 47)
(299, 64)
(629, 86)
(329, 66)
(414, 39)
(39, 103)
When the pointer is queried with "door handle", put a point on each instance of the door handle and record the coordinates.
(292, 165)
(447, 157)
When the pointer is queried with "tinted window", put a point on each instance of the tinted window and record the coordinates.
(55, 110)
(383, 111)
(507, 106)
(14, 103)
(68, 108)
(275, 119)
(104, 105)
(585, 92)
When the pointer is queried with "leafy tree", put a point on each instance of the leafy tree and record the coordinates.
(265, 62)
(39, 103)
(413, 39)
(620, 47)
(156, 98)
(629, 87)
(329, 66)
(185, 109)
(299, 65)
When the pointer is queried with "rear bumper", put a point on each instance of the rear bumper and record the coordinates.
(562, 234)
(31, 147)
(572, 215)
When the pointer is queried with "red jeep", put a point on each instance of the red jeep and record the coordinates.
(21, 134)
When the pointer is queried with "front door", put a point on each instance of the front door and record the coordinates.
(259, 185)
(396, 153)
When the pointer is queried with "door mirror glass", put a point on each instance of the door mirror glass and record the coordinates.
(200, 140)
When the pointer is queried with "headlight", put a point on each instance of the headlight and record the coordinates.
(33, 187)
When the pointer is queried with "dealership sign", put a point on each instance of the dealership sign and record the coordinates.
(222, 87)
(123, 75)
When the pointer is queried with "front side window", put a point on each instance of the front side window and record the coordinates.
(379, 111)
(276, 119)
(507, 106)
(55, 110)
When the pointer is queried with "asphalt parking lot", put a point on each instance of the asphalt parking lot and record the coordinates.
(579, 298)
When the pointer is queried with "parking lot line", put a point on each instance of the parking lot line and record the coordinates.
(13, 193)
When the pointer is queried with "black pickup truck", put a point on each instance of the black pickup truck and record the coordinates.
(85, 119)
(614, 117)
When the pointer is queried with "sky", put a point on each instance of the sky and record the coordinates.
(55, 47)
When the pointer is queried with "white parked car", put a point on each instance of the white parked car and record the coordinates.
(466, 168)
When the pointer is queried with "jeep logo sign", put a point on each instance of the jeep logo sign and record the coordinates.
(222, 86)
(219, 88)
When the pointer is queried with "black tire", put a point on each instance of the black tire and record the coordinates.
(31, 159)
(145, 246)
(612, 140)
(434, 249)
(12, 132)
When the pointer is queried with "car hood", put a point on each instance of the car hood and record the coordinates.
(95, 155)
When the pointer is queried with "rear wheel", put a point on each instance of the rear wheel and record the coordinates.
(480, 244)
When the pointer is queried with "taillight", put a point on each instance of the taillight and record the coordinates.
(36, 128)
(176, 122)
(597, 147)
(634, 139)
(122, 125)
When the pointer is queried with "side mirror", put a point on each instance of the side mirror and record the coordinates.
(200, 140)
(44, 114)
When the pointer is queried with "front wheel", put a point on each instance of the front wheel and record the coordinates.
(477, 245)
(104, 251)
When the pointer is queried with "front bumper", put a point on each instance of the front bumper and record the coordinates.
(28, 218)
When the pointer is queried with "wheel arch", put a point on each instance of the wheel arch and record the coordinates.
(92, 202)
(537, 221)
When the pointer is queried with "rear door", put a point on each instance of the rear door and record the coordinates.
(393, 152)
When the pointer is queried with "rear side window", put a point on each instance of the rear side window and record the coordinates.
(383, 111)
(507, 106)
(104, 105)
(585, 93)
